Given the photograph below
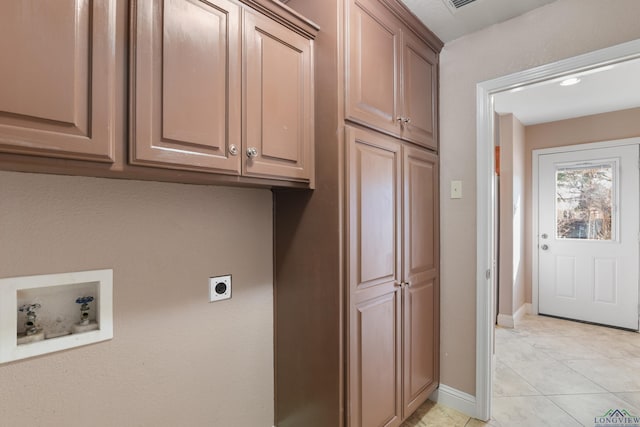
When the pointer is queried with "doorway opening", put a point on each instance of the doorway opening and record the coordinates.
(486, 191)
(585, 215)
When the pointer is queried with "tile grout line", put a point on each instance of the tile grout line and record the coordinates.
(584, 376)
(524, 380)
(558, 406)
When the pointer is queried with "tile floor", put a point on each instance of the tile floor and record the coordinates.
(555, 373)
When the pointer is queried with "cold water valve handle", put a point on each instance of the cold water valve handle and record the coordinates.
(84, 309)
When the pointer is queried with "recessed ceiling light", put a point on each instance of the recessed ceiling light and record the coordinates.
(570, 82)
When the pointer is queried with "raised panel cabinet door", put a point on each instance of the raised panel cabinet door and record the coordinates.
(185, 85)
(278, 100)
(420, 266)
(420, 91)
(373, 66)
(58, 90)
(374, 201)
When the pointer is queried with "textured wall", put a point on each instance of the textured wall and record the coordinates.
(505, 235)
(512, 215)
(557, 31)
(175, 359)
(519, 209)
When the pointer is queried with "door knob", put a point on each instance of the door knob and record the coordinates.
(233, 149)
(544, 247)
(252, 152)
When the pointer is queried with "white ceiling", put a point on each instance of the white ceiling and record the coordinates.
(472, 17)
(599, 91)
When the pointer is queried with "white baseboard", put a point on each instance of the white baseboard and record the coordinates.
(509, 321)
(505, 320)
(456, 399)
(519, 314)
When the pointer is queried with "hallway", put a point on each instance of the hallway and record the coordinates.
(556, 373)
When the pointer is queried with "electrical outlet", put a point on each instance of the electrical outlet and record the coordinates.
(219, 288)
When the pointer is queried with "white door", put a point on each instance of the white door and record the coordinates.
(588, 235)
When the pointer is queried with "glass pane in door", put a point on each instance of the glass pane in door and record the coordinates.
(584, 202)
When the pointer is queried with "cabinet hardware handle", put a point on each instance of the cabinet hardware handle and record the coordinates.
(407, 120)
(233, 149)
(400, 119)
(545, 236)
(544, 247)
(252, 152)
(407, 284)
(397, 284)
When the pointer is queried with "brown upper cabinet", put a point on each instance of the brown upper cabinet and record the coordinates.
(185, 85)
(58, 91)
(217, 87)
(392, 75)
(278, 100)
(221, 90)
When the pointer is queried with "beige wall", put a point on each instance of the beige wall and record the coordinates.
(596, 128)
(559, 30)
(175, 359)
(512, 210)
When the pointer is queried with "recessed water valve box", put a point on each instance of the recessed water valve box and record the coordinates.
(52, 312)
(219, 288)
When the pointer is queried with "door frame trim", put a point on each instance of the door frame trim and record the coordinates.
(485, 194)
(535, 159)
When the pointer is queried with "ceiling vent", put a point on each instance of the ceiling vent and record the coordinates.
(454, 5)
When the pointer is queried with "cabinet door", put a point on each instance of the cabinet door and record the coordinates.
(373, 66)
(278, 100)
(421, 309)
(57, 96)
(420, 90)
(374, 222)
(185, 84)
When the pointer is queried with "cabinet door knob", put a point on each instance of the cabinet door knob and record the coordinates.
(407, 120)
(252, 152)
(233, 149)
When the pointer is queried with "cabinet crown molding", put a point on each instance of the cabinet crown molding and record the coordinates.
(286, 16)
(421, 30)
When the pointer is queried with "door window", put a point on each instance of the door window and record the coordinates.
(585, 201)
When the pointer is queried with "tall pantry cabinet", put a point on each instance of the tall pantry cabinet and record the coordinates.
(357, 261)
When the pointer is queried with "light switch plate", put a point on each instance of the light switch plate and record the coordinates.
(456, 189)
(219, 288)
